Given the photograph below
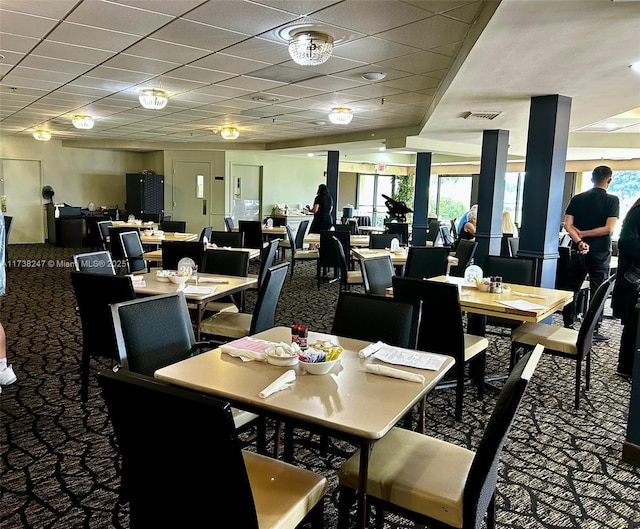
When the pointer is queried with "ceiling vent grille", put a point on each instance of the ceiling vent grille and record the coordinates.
(481, 115)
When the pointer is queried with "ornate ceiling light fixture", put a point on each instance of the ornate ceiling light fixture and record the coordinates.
(310, 48)
(341, 115)
(42, 135)
(82, 122)
(229, 133)
(153, 99)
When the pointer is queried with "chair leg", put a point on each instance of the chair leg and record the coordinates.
(578, 372)
(479, 367)
(84, 377)
(459, 393)
(587, 373)
(261, 433)
(491, 512)
(346, 498)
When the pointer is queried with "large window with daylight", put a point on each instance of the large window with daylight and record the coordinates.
(371, 187)
(449, 196)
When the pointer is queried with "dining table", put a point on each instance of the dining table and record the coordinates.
(280, 231)
(398, 258)
(313, 239)
(156, 238)
(348, 402)
(209, 287)
(155, 256)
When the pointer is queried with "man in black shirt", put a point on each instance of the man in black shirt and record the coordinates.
(590, 219)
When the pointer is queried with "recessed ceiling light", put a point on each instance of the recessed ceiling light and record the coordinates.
(374, 76)
(611, 126)
(266, 99)
(635, 66)
(310, 154)
(320, 123)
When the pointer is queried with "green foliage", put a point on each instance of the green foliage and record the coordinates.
(404, 189)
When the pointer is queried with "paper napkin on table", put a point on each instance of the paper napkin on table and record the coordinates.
(370, 349)
(386, 371)
(192, 289)
(282, 382)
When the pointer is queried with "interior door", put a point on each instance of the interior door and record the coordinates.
(247, 192)
(20, 189)
(191, 194)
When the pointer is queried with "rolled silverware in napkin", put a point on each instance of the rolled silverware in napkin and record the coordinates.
(386, 371)
(280, 383)
(370, 349)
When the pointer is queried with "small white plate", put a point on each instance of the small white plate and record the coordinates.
(282, 360)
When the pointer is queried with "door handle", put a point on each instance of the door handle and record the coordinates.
(204, 206)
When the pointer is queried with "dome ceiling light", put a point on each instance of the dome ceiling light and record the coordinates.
(374, 76)
(153, 99)
(229, 133)
(310, 48)
(341, 115)
(82, 122)
(42, 135)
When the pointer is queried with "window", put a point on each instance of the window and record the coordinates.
(449, 196)
(371, 187)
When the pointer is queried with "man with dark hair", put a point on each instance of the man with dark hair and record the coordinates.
(590, 219)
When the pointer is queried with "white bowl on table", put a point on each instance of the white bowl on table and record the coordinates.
(319, 368)
(179, 279)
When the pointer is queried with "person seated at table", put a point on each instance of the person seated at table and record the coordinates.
(468, 230)
(465, 218)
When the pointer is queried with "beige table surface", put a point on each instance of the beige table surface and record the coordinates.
(398, 259)
(356, 240)
(167, 236)
(276, 230)
(156, 255)
(351, 403)
(476, 302)
(153, 287)
(141, 225)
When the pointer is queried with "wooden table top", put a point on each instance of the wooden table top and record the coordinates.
(397, 259)
(476, 302)
(336, 400)
(276, 230)
(356, 240)
(167, 236)
(156, 255)
(153, 287)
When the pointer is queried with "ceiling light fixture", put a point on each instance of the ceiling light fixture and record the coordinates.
(42, 135)
(341, 115)
(229, 133)
(310, 48)
(374, 76)
(635, 66)
(153, 99)
(82, 122)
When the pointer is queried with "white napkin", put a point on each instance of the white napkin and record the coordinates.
(386, 371)
(280, 383)
(191, 289)
(370, 349)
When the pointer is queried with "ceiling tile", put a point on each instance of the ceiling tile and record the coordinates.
(372, 49)
(102, 39)
(198, 35)
(428, 33)
(118, 17)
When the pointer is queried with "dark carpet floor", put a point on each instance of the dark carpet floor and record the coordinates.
(561, 468)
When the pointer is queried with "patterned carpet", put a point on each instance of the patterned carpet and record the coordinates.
(561, 468)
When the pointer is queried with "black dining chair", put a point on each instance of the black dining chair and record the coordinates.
(173, 251)
(380, 241)
(205, 235)
(207, 478)
(465, 251)
(133, 252)
(103, 231)
(298, 253)
(94, 263)
(115, 244)
(232, 239)
(424, 261)
(226, 263)
(328, 256)
(377, 273)
(401, 229)
(228, 223)
(251, 231)
(174, 226)
(94, 293)
(347, 277)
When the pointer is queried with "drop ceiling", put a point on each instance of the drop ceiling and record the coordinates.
(226, 63)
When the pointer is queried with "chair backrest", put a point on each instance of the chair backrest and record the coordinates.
(592, 315)
(301, 232)
(434, 231)
(446, 237)
(505, 250)
(380, 241)
(277, 221)
(151, 217)
(401, 229)
(328, 255)
(344, 264)
(441, 326)
(94, 293)
(267, 256)
(228, 223)
(464, 253)
(205, 475)
(226, 262)
(375, 318)
(133, 251)
(233, 239)
(454, 229)
(264, 313)
(153, 332)
(205, 234)
(252, 233)
(423, 261)
(483, 475)
(94, 263)
(170, 226)
(511, 269)
(514, 246)
(103, 230)
(350, 227)
(173, 251)
(377, 273)
(115, 243)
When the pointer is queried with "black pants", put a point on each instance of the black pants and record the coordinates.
(597, 266)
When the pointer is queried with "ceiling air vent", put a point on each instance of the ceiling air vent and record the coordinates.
(481, 115)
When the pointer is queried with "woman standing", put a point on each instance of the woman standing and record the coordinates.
(322, 208)
(626, 293)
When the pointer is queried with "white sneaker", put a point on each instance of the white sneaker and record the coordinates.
(7, 376)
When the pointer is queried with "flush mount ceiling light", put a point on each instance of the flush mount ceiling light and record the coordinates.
(229, 133)
(82, 122)
(42, 135)
(153, 99)
(635, 67)
(341, 115)
(310, 48)
(374, 76)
